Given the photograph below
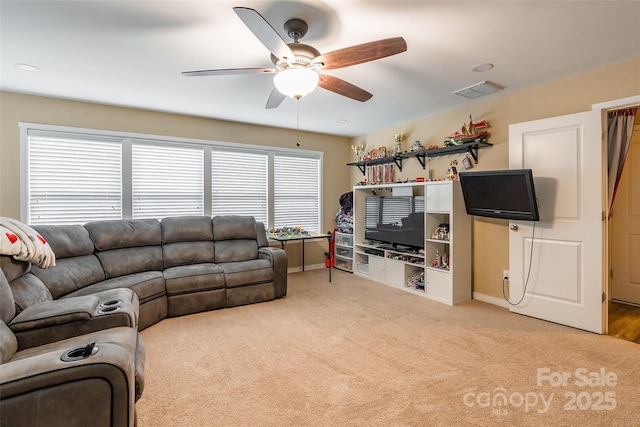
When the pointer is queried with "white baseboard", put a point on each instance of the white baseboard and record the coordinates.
(306, 268)
(491, 300)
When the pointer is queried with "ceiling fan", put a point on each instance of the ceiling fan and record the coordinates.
(305, 61)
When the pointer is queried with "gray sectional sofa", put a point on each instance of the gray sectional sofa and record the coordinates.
(112, 279)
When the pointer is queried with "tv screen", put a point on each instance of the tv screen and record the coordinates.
(398, 220)
(507, 194)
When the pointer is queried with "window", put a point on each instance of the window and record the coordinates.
(73, 180)
(72, 176)
(296, 194)
(167, 181)
(239, 184)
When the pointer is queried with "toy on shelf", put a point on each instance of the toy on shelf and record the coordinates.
(468, 132)
(452, 172)
(417, 146)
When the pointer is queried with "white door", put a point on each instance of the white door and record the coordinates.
(625, 229)
(562, 265)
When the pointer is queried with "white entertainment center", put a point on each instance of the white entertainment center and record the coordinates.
(441, 269)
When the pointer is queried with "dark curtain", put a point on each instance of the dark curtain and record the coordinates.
(620, 129)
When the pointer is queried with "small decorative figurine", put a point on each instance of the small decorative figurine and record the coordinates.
(454, 169)
(417, 146)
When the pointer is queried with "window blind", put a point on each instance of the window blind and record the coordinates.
(73, 180)
(239, 184)
(296, 193)
(167, 180)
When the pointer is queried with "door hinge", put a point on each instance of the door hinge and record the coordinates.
(604, 297)
(604, 216)
(611, 273)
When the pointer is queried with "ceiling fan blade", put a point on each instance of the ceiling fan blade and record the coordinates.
(264, 32)
(275, 99)
(362, 53)
(343, 88)
(228, 72)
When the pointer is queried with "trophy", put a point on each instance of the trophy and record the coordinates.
(358, 150)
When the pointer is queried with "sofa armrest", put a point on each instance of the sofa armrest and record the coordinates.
(39, 388)
(280, 263)
(68, 317)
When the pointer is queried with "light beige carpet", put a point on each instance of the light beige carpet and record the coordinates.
(359, 353)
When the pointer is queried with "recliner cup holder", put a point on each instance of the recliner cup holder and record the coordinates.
(109, 309)
(79, 353)
(111, 303)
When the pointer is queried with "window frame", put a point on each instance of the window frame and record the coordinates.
(128, 138)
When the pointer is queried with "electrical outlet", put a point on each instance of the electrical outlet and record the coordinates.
(505, 274)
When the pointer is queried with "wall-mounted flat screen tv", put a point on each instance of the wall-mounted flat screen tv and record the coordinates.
(507, 194)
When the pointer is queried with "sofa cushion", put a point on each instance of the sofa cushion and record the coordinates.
(235, 251)
(235, 238)
(12, 268)
(186, 229)
(7, 303)
(121, 262)
(127, 246)
(247, 272)
(261, 235)
(233, 227)
(187, 240)
(147, 285)
(185, 253)
(66, 240)
(116, 234)
(8, 343)
(194, 278)
(28, 290)
(70, 274)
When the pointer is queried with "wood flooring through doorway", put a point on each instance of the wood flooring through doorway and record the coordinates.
(624, 321)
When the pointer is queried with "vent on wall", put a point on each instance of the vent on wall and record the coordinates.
(478, 89)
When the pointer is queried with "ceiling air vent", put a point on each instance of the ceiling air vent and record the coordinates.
(478, 89)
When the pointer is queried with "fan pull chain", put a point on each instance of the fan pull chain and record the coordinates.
(298, 122)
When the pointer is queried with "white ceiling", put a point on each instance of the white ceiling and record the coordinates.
(131, 53)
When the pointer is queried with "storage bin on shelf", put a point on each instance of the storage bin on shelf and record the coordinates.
(344, 239)
(343, 264)
(344, 252)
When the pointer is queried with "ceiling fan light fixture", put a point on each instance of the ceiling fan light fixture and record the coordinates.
(296, 82)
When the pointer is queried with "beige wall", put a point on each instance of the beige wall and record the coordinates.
(15, 108)
(569, 95)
